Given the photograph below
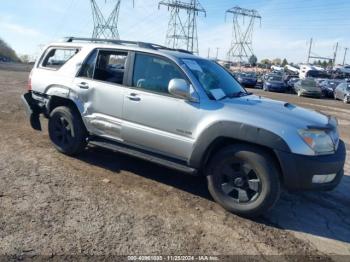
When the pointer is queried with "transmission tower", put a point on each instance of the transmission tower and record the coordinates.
(242, 39)
(105, 28)
(182, 29)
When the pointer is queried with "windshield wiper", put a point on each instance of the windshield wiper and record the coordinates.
(240, 94)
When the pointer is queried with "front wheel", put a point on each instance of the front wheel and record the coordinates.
(67, 131)
(345, 100)
(244, 180)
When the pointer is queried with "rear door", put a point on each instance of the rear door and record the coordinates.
(101, 87)
(154, 119)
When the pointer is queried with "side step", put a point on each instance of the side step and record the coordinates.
(142, 154)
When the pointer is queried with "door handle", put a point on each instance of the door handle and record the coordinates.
(133, 97)
(83, 85)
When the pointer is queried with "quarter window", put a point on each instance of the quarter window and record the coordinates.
(154, 74)
(57, 57)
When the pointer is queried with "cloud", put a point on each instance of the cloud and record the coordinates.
(18, 29)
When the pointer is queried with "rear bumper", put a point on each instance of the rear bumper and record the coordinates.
(298, 170)
(32, 109)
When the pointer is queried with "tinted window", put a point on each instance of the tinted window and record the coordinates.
(110, 66)
(153, 73)
(310, 83)
(57, 57)
(87, 70)
(274, 78)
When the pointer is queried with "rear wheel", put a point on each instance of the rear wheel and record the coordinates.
(67, 131)
(345, 100)
(244, 180)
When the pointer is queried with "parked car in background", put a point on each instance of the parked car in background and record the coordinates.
(247, 79)
(342, 92)
(307, 87)
(328, 87)
(274, 83)
(307, 71)
(291, 82)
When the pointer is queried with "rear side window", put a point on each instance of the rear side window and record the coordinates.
(110, 66)
(57, 57)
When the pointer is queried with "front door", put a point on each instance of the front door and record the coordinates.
(153, 118)
(100, 83)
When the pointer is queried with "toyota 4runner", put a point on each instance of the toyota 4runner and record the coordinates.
(184, 112)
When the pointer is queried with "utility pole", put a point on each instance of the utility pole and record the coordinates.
(105, 28)
(182, 29)
(208, 52)
(241, 45)
(346, 50)
(217, 53)
(309, 53)
(335, 53)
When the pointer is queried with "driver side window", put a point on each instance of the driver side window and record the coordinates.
(153, 74)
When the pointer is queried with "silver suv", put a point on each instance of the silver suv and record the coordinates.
(184, 112)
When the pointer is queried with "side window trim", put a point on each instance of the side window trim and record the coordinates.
(86, 59)
(98, 50)
(48, 50)
(132, 69)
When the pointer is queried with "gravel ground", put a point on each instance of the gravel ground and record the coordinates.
(104, 203)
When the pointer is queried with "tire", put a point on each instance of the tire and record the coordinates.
(345, 100)
(67, 131)
(244, 180)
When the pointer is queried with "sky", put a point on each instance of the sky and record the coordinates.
(285, 30)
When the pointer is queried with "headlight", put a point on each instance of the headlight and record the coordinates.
(318, 140)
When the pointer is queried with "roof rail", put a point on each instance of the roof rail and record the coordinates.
(123, 42)
(113, 41)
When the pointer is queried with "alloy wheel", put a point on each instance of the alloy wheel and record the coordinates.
(240, 181)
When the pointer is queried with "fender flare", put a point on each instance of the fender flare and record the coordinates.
(63, 92)
(237, 131)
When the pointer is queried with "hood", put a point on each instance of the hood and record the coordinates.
(275, 116)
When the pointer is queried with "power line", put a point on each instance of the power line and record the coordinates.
(182, 30)
(105, 28)
(242, 41)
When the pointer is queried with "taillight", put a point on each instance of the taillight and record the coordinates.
(29, 86)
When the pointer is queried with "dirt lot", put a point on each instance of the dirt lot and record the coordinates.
(51, 204)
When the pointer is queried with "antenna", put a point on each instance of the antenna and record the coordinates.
(182, 30)
(241, 45)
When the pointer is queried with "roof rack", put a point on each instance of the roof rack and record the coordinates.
(123, 42)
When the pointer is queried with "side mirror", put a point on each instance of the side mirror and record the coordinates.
(179, 87)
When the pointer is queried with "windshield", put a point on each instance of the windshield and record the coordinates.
(309, 83)
(250, 75)
(214, 78)
(274, 78)
(316, 73)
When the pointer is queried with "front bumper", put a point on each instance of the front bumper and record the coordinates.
(277, 88)
(32, 110)
(298, 170)
(311, 94)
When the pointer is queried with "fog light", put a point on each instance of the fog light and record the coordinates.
(320, 179)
